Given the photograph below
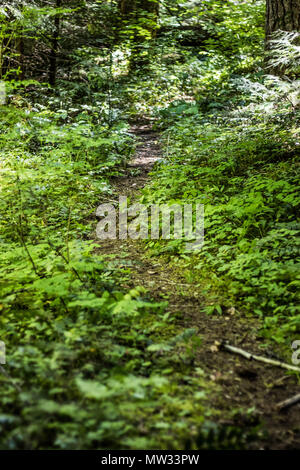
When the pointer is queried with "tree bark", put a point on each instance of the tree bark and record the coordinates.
(127, 7)
(54, 47)
(142, 15)
(21, 50)
(282, 15)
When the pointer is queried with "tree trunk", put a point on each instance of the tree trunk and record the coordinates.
(54, 47)
(282, 15)
(21, 50)
(127, 7)
(142, 15)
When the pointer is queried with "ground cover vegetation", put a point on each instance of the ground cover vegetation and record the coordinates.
(91, 363)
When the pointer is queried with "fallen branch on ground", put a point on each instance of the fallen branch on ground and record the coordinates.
(250, 356)
(289, 402)
(3, 371)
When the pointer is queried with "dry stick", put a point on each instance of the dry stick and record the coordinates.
(244, 337)
(20, 230)
(176, 283)
(57, 250)
(250, 356)
(20, 233)
(3, 371)
(168, 143)
(289, 402)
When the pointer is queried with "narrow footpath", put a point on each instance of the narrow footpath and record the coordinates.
(241, 384)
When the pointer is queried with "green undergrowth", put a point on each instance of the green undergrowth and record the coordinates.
(245, 171)
(89, 364)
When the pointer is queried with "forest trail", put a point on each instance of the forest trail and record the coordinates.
(237, 384)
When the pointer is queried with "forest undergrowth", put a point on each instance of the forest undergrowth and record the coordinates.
(96, 359)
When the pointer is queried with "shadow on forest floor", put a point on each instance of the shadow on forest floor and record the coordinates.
(241, 385)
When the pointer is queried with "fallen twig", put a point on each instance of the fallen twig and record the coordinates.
(289, 402)
(250, 357)
(3, 371)
(279, 381)
(244, 337)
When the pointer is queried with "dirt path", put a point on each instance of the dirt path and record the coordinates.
(242, 384)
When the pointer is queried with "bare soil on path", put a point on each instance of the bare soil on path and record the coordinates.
(243, 384)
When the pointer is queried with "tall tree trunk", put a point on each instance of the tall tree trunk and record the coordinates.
(282, 15)
(6, 45)
(133, 10)
(21, 50)
(127, 7)
(54, 47)
(142, 15)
